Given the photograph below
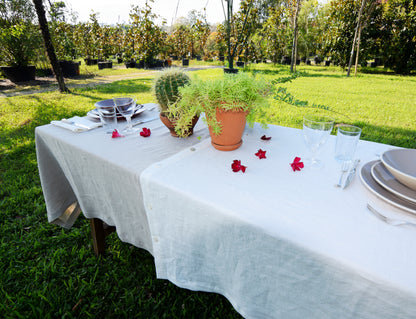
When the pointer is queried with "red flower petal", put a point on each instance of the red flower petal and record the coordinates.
(261, 154)
(236, 166)
(297, 165)
(145, 132)
(116, 134)
(265, 138)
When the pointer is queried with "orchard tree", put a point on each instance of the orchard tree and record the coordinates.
(398, 36)
(309, 24)
(200, 30)
(62, 35)
(182, 40)
(117, 39)
(86, 37)
(343, 20)
(277, 32)
(19, 34)
(146, 35)
(106, 45)
(94, 35)
(339, 30)
(214, 45)
(43, 24)
(220, 40)
(57, 11)
(238, 27)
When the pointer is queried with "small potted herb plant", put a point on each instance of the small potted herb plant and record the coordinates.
(166, 90)
(228, 102)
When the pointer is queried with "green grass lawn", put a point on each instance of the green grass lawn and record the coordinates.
(50, 272)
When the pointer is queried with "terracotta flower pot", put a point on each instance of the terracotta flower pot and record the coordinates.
(171, 125)
(232, 129)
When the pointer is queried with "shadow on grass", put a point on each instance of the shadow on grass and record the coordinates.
(284, 71)
(387, 135)
(122, 87)
(368, 70)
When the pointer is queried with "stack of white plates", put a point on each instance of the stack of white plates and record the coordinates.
(393, 178)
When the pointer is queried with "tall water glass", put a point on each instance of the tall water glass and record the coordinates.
(126, 107)
(347, 139)
(316, 130)
(108, 117)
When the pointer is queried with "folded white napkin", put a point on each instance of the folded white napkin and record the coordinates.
(77, 124)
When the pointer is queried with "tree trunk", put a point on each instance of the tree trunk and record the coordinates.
(358, 49)
(295, 39)
(228, 26)
(355, 36)
(43, 24)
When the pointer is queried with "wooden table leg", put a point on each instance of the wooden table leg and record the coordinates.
(99, 230)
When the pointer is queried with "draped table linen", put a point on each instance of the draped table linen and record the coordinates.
(100, 175)
(278, 243)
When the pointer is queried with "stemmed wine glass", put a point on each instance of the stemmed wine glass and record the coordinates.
(126, 106)
(316, 130)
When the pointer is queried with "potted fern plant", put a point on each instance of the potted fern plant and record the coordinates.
(228, 103)
(166, 90)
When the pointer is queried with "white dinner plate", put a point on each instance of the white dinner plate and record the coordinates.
(371, 184)
(382, 176)
(94, 113)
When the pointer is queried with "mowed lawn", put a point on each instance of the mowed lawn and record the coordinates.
(49, 272)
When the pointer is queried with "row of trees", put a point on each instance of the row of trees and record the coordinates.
(259, 30)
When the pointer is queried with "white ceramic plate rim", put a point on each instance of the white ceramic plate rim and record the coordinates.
(394, 169)
(369, 182)
(392, 185)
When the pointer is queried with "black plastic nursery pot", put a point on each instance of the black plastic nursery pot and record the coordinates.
(105, 65)
(19, 73)
(232, 71)
(69, 68)
(89, 61)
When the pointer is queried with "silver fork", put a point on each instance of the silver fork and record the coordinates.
(344, 169)
(390, 221)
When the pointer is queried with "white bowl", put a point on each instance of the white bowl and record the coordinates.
(401, 163)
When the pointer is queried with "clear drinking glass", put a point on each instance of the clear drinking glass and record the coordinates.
(126, 107)
(108, 117)
(316, 130)
(347, 140)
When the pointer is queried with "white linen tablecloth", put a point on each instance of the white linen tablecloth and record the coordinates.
(278, 243)
(100, 175)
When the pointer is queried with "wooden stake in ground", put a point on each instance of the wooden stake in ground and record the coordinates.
(357, 29)
(295, 39)
(43, 24)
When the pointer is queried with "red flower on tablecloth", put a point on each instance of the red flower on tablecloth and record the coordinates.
(265, 138)
(145, 132)
(297, 165)
(116, 134)
(236, 166)
(261, 154)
